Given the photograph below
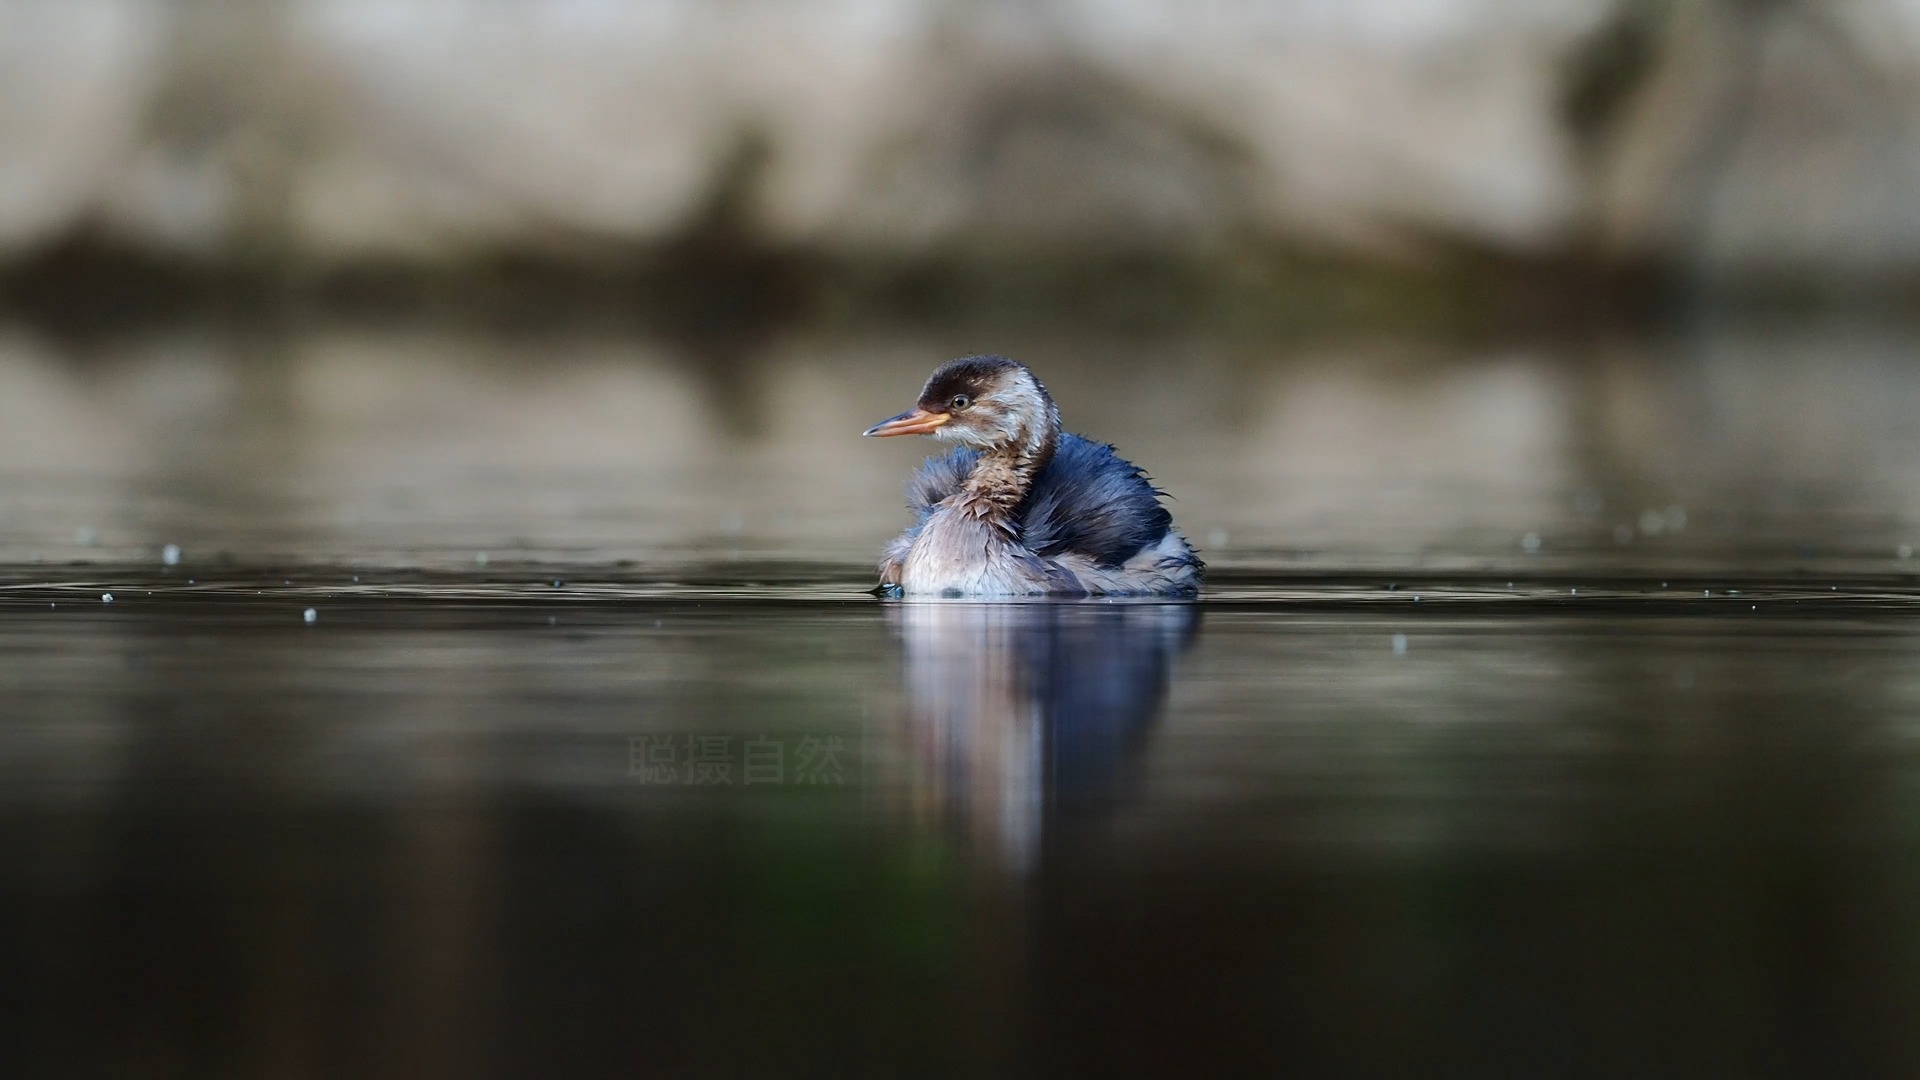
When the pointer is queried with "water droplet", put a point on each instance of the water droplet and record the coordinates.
(1399, 644)
(106, 598)
(1905, 551)
(310, 615)
(1217, 538)
(170, 555)
(557, 583)
(1653, 522)
(481, 558)
(83, 535)
(1589, 502)
(1530, 543)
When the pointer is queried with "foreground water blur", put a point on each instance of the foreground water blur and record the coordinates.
(468, 705)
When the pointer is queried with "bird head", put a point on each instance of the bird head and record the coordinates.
(984, 402)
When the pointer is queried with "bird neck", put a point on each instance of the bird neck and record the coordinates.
(1004, 474)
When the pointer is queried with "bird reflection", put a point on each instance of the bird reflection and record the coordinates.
(1024, 716)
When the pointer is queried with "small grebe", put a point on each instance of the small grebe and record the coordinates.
(1020, 507)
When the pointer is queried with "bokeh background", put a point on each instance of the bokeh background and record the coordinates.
(407, 404)
(1739, 137)
(616, 279)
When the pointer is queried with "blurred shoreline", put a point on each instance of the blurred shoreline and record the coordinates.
(717, 285)
(1441, 167)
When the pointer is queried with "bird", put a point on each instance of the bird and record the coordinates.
(1020, 507)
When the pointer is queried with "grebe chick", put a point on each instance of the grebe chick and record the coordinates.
(1021, 508)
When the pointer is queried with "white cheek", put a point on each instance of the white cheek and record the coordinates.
(965, 436)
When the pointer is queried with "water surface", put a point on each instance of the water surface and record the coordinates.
(478, 706)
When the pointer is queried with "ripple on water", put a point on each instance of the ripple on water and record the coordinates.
(1854, 595)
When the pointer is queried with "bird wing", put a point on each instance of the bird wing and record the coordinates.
(1092, 502)
(1088, 501)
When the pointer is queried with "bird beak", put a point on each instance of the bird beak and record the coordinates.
(917, 422)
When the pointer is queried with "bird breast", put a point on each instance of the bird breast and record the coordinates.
(958, 552)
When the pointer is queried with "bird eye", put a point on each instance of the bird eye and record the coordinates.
(960, 401)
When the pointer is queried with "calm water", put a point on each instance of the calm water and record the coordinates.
(1553, 710)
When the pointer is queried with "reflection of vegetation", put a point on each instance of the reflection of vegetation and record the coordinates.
(816, 896)
(712, 290)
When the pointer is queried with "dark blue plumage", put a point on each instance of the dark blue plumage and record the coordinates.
(1088, 500)
(1021, 508)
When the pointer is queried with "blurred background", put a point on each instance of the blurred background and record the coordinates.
(1735, 139)
(619, 277)
(410, 407)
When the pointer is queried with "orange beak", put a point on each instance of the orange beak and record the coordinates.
(917, 422)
